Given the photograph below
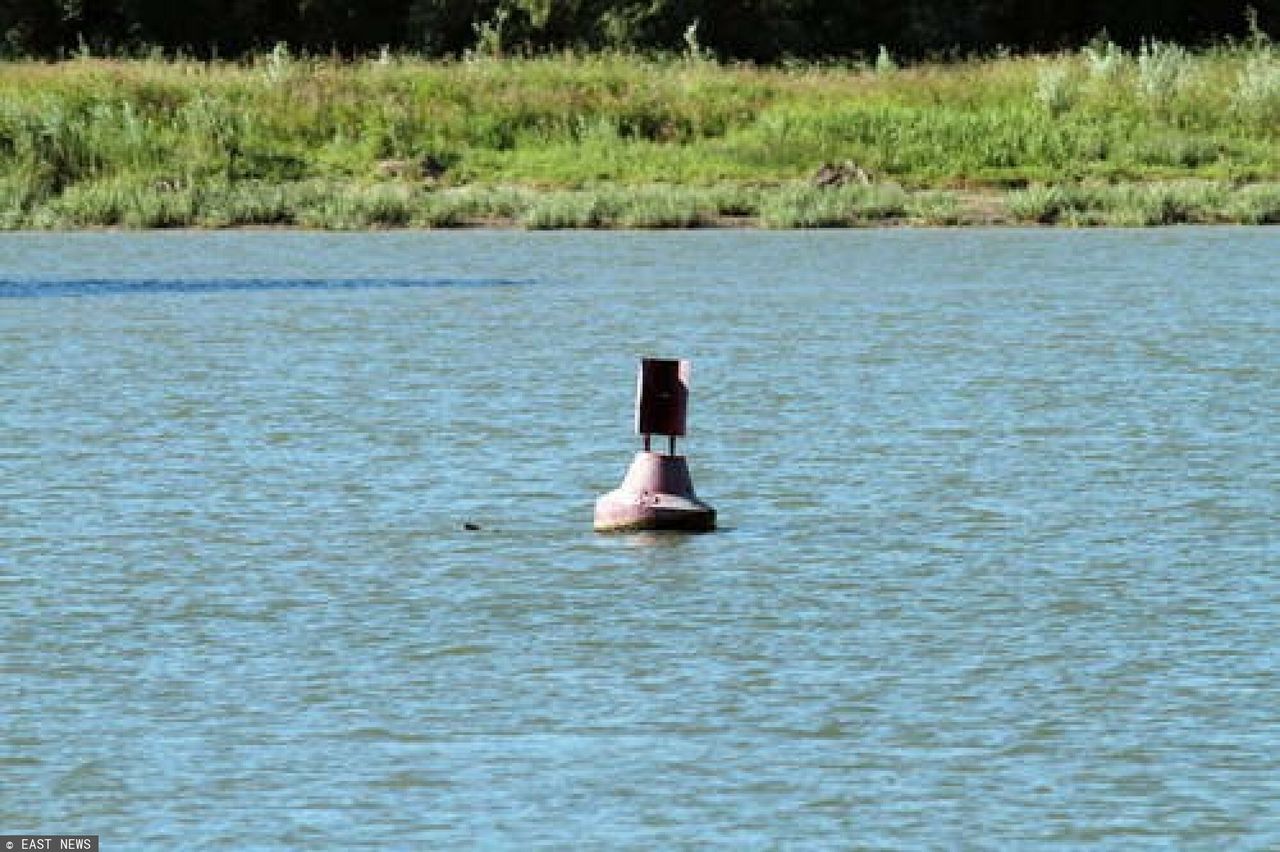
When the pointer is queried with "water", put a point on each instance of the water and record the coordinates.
(999, 566)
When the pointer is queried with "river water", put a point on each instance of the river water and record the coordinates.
(999, 565)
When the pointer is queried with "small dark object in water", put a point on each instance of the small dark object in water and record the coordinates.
(470, 527)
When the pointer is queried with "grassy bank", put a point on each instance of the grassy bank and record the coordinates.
(1095, 137)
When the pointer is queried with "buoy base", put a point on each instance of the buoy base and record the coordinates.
(656, 494)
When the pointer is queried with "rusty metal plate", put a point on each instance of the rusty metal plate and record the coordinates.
(662, 396)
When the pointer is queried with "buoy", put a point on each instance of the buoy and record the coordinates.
(657, 492)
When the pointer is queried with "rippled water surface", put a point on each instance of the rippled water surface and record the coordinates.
(999, 567)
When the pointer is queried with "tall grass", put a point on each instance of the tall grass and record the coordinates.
(805, 206)
(1130, 205)
(619, 141)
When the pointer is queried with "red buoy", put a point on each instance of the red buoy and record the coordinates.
(657, 492)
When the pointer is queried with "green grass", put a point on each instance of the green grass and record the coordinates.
(1128, 205)
(804, 206)
(1095, 137)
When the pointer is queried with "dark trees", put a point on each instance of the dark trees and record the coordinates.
(758, 30)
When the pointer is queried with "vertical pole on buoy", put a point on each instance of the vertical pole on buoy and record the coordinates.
(657, 492)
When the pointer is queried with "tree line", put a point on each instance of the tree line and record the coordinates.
(751, 30)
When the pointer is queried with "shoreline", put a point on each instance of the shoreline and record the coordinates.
(613, 141)
(797, 205)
